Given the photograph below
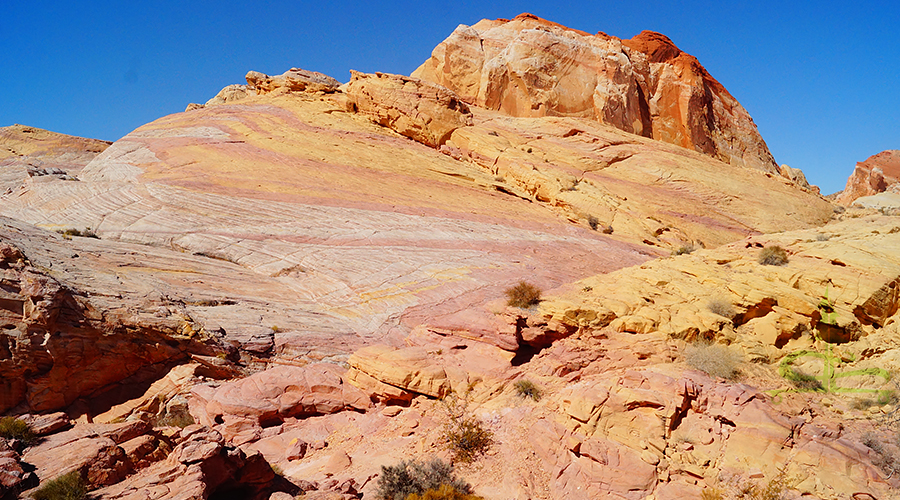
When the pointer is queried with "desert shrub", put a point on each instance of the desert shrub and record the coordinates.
(467, 438)
(803, 381)
(684, 249)
(885, 459)
(445, 492)
(13, 428)
(721, 307)
(712, 493)
(527, 389)
(465, 435)
(66, 487)
(87, 233)
(399, 482)
(775, 489)
(773, 255)
(593, 222)
(523, 295)
(715, 359)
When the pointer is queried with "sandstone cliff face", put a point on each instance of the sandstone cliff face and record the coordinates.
(873, 176)
(647, 86)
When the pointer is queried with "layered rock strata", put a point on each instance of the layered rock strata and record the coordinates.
(531, 67)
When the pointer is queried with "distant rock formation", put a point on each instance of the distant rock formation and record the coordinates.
(872, 176)
(31, 152)
(531, 67)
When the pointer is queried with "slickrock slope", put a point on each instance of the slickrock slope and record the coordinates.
(627, 411)
(528, 66)
(871, 177)
(302, 268)
(27, 152)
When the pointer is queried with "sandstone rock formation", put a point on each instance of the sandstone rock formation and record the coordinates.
(531, 67)
(417, 109)
(30, 154)
(294, 80)
(872, 176)
(315, 275)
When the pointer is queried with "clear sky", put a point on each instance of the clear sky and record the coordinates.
(819, 78)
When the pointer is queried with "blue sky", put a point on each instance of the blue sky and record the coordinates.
(819, 78)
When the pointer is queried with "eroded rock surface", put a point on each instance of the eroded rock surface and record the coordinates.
(871, 177)
(414, 108)
(530, 67)
(31, 154)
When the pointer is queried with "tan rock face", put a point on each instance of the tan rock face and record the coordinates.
(647, 86)
(30, 154)
(414, 108)
(871, 177)
(294, 80)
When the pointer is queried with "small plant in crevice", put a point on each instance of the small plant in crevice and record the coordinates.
(721, 307)
(804, 382)
(87, 233)
(683, 250)
(66, 487)
(715, 359)
(399, 482)
(526, 389)
(523, 295)
(773, 255)
(593, 222)
(885, 459)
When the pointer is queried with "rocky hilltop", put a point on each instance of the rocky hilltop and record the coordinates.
(647, 86)
(286, 288)
(877, 174)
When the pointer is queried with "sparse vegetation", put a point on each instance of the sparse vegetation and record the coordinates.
(66, 487)
(399, 482)
(685, 249)
(523, 295)
(773, 255)
(886, 460)
(804, 382)
(13, 428)
(526, 389)
(87, 233)
(445, 492)
(715, 359)
(775, 489)
(465, 435)
(721, 307)
(593, 222)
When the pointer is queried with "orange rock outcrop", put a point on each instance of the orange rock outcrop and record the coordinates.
(531, 67)
(872, 176)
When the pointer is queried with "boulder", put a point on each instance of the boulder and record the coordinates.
(418, 109)
(293, 80)
(411, 369)
(283, 391)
